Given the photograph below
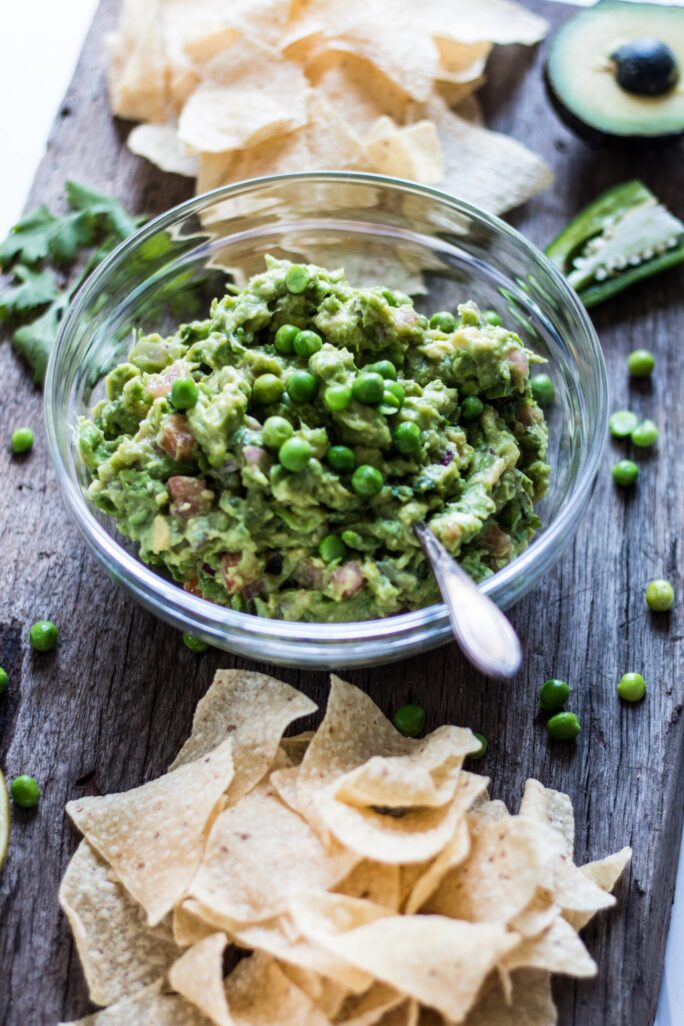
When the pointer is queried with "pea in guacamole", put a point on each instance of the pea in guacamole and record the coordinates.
(274, 457)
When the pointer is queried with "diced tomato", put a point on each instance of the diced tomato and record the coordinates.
(347, 579)
(176, 437)
(519, 364)
(162, 383)
(189, 496)
(496, 541)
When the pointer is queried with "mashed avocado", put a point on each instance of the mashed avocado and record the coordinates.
(274, 457)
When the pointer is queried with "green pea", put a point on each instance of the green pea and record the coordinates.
(284, 338)
(301, 386)
(409, 719)
(385, 368)
(625, 473)
(341, 459)
(368, 388)
(632, 687)
(622, 423)
(297, 279)
(554, 694)
(564, 726)
(267, 389)
(4, 680)
(641, 363)
(407, 437)
(396, 389)
(25, 791)
(275, 431)
(367, 481)
(337, 397)
(543, 389)
(43, 635)
(22, 441)
(492, 317)
(390, 404)
(471, 408)
(194, 644)
(184, 393)
(660, 595)
(482, 750)
(294, 454)
(332, 548)
(645, 434)
(443, 321)
(307, 343)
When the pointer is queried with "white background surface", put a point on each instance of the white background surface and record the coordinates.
(38, 49)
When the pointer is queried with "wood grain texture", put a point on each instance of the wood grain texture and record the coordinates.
(112, 705)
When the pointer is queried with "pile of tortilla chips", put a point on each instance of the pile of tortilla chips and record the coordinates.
(235, 89)
(350, 876)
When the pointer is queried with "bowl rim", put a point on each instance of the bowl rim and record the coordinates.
(215, 619)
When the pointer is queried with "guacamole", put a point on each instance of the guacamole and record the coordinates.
(274, 457)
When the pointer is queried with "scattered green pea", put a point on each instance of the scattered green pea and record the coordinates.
(543, 389)
(25, 791)
(622, 423)
(564, 726)
(443, 321)
(632, 687)
(194, 644)
(22, 441)
(297, 279)
(301, 386)
(337, 397)
(554, 694)
(407, 437)
(307, 343)
(483, 749)
(385, 368)
(43, 635)
(368, 388)
(645, 434)
(267, 389)
(625, 473)
(471, 407)
(4, 680)
(660, 595)
(184, 393)
(341, 459)
(409, 719)
(492, 317)
(390, 404)
(396, 390)
(294, 454)
(275, 431)
(367, 481)
(641, 363)
(284, 338)
(332, 548)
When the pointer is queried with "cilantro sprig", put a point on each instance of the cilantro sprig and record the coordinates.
(35, 300)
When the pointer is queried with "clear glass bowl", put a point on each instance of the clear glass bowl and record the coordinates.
(385, 232)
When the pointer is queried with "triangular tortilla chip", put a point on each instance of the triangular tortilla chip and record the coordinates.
(148, 1007)
(260, 994)
(153, 836)
(198, 977)
(557, 950)
(160, 145)
(531, 1002)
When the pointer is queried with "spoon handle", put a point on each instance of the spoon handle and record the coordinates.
(481, 629)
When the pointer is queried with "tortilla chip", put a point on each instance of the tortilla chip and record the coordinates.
(153, 836)
(605, 873)
(412, 151)
(137, 66)
(451, 856)
(374, 882)
(396, 46)
(148, 1007)
(119, 952)
(438, 961)
(258, 854)
(537, 916)
(188, 927)
(573, 891)
(295, 746)
(557, 950)
(253, 710)
(474, 158)
(554, 808)
(327, 995)
(161, 146)
(370, 1008)
(358, 91)
(260, 994)
(472, 21)
(198, 977)
(531, 1002)
(250, 94)
(284, 783)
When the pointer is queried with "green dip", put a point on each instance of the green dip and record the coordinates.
(208, 499)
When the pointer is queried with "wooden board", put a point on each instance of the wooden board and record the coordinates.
(111, 706)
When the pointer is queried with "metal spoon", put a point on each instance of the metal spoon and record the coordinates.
(482, 631)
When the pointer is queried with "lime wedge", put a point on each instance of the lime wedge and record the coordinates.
(4, 821)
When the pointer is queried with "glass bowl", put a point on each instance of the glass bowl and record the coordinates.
(384, 231)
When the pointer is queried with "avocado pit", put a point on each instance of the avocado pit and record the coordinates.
(645, 67)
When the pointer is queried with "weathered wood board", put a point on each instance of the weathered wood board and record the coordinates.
(111, 706)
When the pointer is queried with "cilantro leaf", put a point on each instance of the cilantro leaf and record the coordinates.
(34, 341)
(82, 197)
(36, 289)
(40, 233)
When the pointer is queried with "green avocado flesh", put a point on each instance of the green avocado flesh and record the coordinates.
(204, 493)
(582, 78)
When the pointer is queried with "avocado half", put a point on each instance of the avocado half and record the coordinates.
(616, 71)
